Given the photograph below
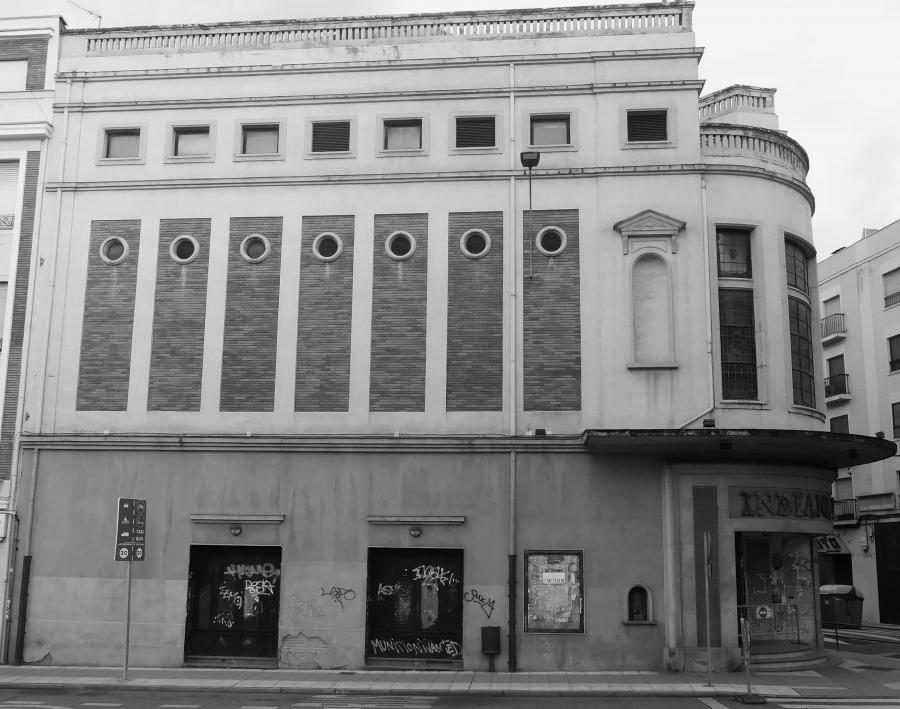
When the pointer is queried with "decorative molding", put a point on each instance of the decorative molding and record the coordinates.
(381, 178)
(235, 518)
(372, 96)
(648, 224)
(417, 519)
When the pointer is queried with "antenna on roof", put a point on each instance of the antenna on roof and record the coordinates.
(89, 12)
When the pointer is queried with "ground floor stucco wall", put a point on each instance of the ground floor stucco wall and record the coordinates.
(336, 509)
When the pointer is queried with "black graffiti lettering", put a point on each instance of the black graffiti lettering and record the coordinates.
(339, 595)
(487, 604)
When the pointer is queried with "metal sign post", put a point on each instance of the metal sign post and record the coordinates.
(707, 555)
(131, 530)
(749, 697)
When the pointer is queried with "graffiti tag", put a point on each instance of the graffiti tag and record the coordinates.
(386, 589)
(229, 596)
(487, 604)
(339, 595)
(266, 570)
(225, 619)
(419, 647)
(260, 588)
(434, 574)
(305, 608)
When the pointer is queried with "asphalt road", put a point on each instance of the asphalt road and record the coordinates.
(870, 641)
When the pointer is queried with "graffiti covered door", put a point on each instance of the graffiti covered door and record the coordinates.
(232, 605)
(414, 605)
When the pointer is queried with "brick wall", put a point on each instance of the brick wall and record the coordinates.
(17, 321)
(324, 319)
(475, 317)
(398, 318)
(551, 314)
(34, 49)
(251, 319)
(179, 314)
(108, 322)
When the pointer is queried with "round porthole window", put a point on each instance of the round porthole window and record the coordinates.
(327, 246)
(255, 247)
(475, 243)
(551, 241)
(184, 249)
(400, 246)
(113, 250)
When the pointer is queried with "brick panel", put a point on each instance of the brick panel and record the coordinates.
(398, 318)
(17, 321)
(108, 323)
(34, 49)
(251, 319)
(475, 317)
(179, 315)
(324, 319)
(552, 319)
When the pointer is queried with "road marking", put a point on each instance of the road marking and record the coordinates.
(712, 703)
(100, 704)
(180, 706)
(794, 701)
(374, 701)
(857, 704)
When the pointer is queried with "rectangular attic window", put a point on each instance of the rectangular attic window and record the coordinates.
(647, 126)
(122, 143)
(475, 132)
(330, 136)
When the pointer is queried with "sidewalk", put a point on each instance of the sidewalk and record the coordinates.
(849, 675)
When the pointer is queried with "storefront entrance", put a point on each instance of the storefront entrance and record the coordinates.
(775, 587)
(232, 605)
(414, 607)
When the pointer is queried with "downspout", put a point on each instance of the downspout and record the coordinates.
(671, 575)
(711, 380)
(513, 375)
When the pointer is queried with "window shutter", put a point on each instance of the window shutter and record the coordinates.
(892, 282)
(475, 132)
(331, 137)
(647, 126)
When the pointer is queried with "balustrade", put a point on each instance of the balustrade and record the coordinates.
(674, 18)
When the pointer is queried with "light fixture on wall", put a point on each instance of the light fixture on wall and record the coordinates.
(236, 530)
(868, 530)
(415, 532)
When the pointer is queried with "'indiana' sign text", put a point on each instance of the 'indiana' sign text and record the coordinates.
(769, 502)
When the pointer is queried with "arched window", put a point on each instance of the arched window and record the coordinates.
(639, 609)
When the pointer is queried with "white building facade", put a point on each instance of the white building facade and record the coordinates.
(859, 287)
(424, 337)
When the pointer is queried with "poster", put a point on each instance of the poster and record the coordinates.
(553, 592)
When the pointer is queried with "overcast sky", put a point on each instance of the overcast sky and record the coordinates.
(835, 63)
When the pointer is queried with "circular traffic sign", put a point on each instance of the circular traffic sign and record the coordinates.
(139, 552)
(123, 553)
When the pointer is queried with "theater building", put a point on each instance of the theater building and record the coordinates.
(407, 327)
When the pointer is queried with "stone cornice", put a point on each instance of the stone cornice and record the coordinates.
(206, 72)
(379, 96)
(382, 178)
(300, 443)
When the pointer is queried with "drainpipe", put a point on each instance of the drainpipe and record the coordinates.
(671, 576)
(711, 380)
(513, 374)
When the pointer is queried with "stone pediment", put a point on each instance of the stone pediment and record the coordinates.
(649, 224)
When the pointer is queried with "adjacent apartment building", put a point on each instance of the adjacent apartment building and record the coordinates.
(859, 288)
(28, 53)
(422, 337)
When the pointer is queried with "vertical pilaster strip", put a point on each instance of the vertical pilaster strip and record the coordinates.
(706, 519)
(17, 322)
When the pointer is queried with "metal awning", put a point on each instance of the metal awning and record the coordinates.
(821, 449)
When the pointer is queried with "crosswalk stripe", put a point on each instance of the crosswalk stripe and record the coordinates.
(861, 702)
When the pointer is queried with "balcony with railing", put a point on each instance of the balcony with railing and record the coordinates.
(837, 388)
(846, 510)
(833, 328)
(891, 299)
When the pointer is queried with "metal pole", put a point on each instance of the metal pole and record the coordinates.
(706, 575)
(127, 618)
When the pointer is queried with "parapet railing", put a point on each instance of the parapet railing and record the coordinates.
(593, 20)
(737, 98)
(725, 140)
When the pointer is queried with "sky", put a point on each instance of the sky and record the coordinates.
(835, 65)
